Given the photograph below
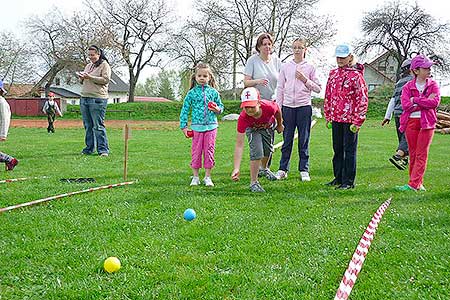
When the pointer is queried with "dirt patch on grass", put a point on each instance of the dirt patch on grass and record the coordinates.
(142, 125)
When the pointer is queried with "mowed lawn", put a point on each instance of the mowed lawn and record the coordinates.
(292, 242)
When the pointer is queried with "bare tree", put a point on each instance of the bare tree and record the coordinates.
(61, 42)
(238, 22)
(15, 65)
(202, 40)
(139, 30)
(403, 30)
(287, 20)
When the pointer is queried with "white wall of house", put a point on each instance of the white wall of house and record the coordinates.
(387, 66)
(374, 79)
(113, 98)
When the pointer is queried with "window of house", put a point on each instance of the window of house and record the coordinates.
(391, 68)
(372, 87)
(116, 100)
(57, 81)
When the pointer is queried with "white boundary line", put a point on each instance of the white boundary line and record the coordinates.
(64, 195)
(21, 179)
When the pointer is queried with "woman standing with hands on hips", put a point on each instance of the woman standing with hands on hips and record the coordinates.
(94, 98)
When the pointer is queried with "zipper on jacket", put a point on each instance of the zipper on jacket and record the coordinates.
(205, 111)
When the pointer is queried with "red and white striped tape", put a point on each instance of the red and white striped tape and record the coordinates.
(356, 263)
(21, 179)
(64, 195)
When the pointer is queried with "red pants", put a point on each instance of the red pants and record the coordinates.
(419, 141)
(203, 144)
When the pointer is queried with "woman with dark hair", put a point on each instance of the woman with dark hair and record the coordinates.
(261, 72)
(94, 98)
(262, 68)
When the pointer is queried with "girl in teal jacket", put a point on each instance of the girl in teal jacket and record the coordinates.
(204, 100)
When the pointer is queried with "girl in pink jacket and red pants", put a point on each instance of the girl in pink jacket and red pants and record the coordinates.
(420, 98)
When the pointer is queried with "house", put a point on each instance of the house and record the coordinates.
(382, 70)
(18, 89)
(67, 86)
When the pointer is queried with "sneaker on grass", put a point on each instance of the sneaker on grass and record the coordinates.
(11, 165)
(405, 188)
(261, 172)
(269, 175)
(208, 181)
(281, 174)
(399, 162)
(305, 176)
(195, 181)
(256, 187)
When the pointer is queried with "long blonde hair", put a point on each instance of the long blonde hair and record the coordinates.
(212, 80)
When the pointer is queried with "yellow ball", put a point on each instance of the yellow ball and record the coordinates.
(111, 264)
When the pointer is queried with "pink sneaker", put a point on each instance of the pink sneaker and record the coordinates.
(11, 165)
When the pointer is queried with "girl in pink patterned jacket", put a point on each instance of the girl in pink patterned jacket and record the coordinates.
(345, 107)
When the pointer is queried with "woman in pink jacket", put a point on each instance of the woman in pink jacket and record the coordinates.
(420, 98)
(345, 106)
(296, 81)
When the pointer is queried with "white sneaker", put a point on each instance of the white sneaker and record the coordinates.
(207, 181)
(281, 174)
(305, 176)
(422, 188)
(195, 181)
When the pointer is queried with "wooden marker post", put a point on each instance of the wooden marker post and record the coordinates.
(127, 136)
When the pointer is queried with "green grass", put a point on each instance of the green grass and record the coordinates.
(293, 242)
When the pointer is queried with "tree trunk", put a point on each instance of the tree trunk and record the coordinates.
(133, 81)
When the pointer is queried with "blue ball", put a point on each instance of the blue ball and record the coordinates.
(189, 214)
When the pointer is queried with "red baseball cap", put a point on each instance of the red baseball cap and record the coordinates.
(250, 97)
(51, 94)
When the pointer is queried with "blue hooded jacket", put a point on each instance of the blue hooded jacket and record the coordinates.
(198, 98)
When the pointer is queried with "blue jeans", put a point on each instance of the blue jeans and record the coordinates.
(93, 112)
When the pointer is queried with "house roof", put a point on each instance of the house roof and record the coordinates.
(64, 93)
(19, 89)
(369, 66)
(116, 84)
(150, 99)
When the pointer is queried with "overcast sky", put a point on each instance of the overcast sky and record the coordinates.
(347, 14)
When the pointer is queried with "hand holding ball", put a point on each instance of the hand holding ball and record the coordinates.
(354, 128)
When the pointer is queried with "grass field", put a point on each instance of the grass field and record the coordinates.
(293, 242)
